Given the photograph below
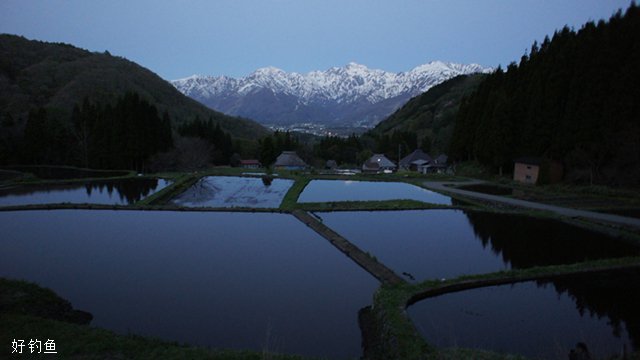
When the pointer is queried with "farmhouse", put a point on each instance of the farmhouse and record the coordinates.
(250, 164)
(289, 160)
(378, 163)
(414, 160)
(438, 165)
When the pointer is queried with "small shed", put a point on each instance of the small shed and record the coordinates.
(290, 160)
(536, 170)
(331, 164)
(378, 163)
(250, 164)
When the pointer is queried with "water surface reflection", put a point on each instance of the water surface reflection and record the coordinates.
(540, 320)
(346, 190)
(112, 192)
(226, 280)
(439, 243)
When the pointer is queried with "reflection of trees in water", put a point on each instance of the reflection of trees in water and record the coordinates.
(614, 295)
(130, 191)
(525, 241)
(59, 172)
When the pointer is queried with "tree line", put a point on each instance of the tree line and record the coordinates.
(573, 98)
(119, 136)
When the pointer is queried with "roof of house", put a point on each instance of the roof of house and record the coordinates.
(415, 155)
(250, 162)
(289, 158)
(441, 159)
(529, 160)
(378, 161)
(419, 162)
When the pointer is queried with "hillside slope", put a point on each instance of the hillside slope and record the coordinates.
(58, 76)
(431, 114)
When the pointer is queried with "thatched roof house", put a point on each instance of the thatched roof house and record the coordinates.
(378, 163)
(290, 160)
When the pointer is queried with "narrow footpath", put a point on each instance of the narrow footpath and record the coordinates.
(574, 213)
(385, 275)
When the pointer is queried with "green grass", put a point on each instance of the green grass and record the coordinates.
(369, 205)
(163, 196)
(290, 201)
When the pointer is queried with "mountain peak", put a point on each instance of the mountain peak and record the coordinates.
(355, 65)
(268, 70)
(353, 86)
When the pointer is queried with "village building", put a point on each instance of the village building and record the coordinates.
(250, 164)
(439, 165)
(331, 165)
(378, 163)
(414, 160)
(289, 160)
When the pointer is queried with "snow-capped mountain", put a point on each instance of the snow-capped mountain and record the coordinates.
(353, 95)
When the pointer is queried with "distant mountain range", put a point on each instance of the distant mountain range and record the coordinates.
(353, 95)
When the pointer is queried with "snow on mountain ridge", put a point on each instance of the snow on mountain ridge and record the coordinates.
(346, 84)
(352, 95)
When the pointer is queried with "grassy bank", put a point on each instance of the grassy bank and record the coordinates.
(28, 311)
(392, 301)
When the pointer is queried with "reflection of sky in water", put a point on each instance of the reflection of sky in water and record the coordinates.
(234, 191)
(225, 280)
(523, 318)
(349, 190)
(432, 244)
(112, 192)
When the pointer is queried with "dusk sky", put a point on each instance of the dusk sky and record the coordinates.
(177, 39)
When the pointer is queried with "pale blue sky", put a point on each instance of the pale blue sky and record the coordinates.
(179, 38)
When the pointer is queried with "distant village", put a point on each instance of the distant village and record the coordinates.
(417, 161)
(527, 170)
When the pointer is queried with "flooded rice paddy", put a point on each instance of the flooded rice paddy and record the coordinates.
(225, 280)
(62, 172)
(234, 191)
(264, 281)
(111, 192)
(346, 190)
(542, 320)
(443, 243)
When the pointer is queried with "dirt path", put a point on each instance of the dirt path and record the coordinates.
(379, 271)
(574, 213)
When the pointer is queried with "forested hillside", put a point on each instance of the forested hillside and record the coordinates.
(574, 98)
(57, 77)
(428, 117)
